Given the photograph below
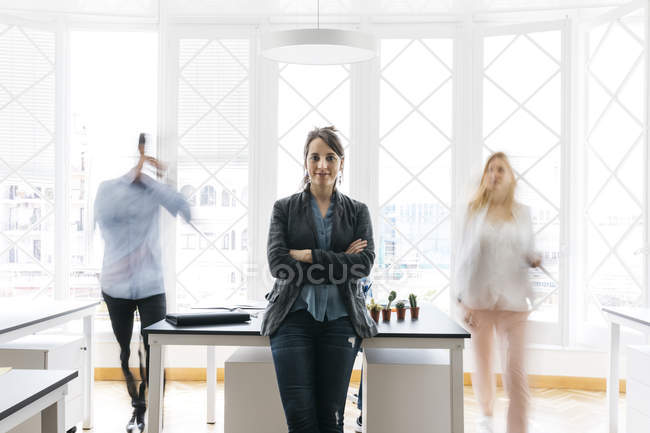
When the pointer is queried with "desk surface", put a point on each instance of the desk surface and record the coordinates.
(16, 314)
(432, 323)
(640, 315)
(22, 387)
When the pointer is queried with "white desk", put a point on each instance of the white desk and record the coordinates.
(19, 318)
(26, 393)
(434, 330)
(636, 318)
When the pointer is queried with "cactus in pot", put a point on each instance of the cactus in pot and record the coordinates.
(400, 306)
(415, 310)
(386, 311)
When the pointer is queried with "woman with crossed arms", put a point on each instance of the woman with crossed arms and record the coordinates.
(320, 243)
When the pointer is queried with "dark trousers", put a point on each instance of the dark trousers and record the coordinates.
(313, 363)
(122, 312)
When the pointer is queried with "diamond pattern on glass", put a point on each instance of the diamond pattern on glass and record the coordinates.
(308, 97)
(27, 135)
(615, 208)
(413, 236)
(213, 118)
(522, 117)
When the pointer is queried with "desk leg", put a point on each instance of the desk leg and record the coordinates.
(457, 388)
(155, 405)
(211, 377)
(53, 417)
(613, 379)
(89, 370)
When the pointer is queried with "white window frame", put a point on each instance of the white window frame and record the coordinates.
(62, 186)
(581, 332)
(170, 35)
(365, 127)
(541, 332)
(364, 132)
(58, 275)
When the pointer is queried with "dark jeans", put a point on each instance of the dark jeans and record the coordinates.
(122, 312)
(313, 363)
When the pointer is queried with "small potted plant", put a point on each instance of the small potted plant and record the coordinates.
(385, 313)
(415, 310)
(374, 310)
(400, 307)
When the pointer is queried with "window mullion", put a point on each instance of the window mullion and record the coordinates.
(62, 162)
(263, 166)
(646, 195)
(466, 138)
(167, 150)
(364, 141)
(566, 67)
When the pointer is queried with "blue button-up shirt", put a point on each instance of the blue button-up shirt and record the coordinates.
(128, 214)
(321, 300)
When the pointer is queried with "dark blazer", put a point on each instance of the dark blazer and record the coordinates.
(292, 227)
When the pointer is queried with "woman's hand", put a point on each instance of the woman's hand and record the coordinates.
(305, 255)
(301, 255)
(356, 246)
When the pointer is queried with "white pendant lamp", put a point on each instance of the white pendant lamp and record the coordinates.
(319, 46)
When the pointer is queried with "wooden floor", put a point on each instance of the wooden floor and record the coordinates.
(553, 411)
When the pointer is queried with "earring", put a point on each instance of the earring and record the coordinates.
(307, 176)
(340, 177)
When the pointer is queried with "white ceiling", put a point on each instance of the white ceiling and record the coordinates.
(260, 8)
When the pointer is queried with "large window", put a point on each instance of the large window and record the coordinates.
(27, 147)
(308, 97)
(415, 123)
(113, 77)
(413, 234)
(523, 113)
(212, 124)
(615, 152)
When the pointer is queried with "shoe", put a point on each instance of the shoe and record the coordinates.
(140, 418)
(485, 425)
(358, 427)
(136, 423)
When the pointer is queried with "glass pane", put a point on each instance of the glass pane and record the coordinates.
(113, 99)
(522, 58)
(310, 96)
(522, 108)
(616, 166)
(213, 118)
(413, 242)
(27, 133)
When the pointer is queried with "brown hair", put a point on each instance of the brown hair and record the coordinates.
(482, 196)
(329, 135)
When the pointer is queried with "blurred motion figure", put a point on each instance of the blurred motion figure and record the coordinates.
(127, 210)
(493, 289)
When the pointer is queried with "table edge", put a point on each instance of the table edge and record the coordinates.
(257, 334)
(45, 319)
(13, 409)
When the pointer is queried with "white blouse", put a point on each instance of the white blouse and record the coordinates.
(493, 262)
